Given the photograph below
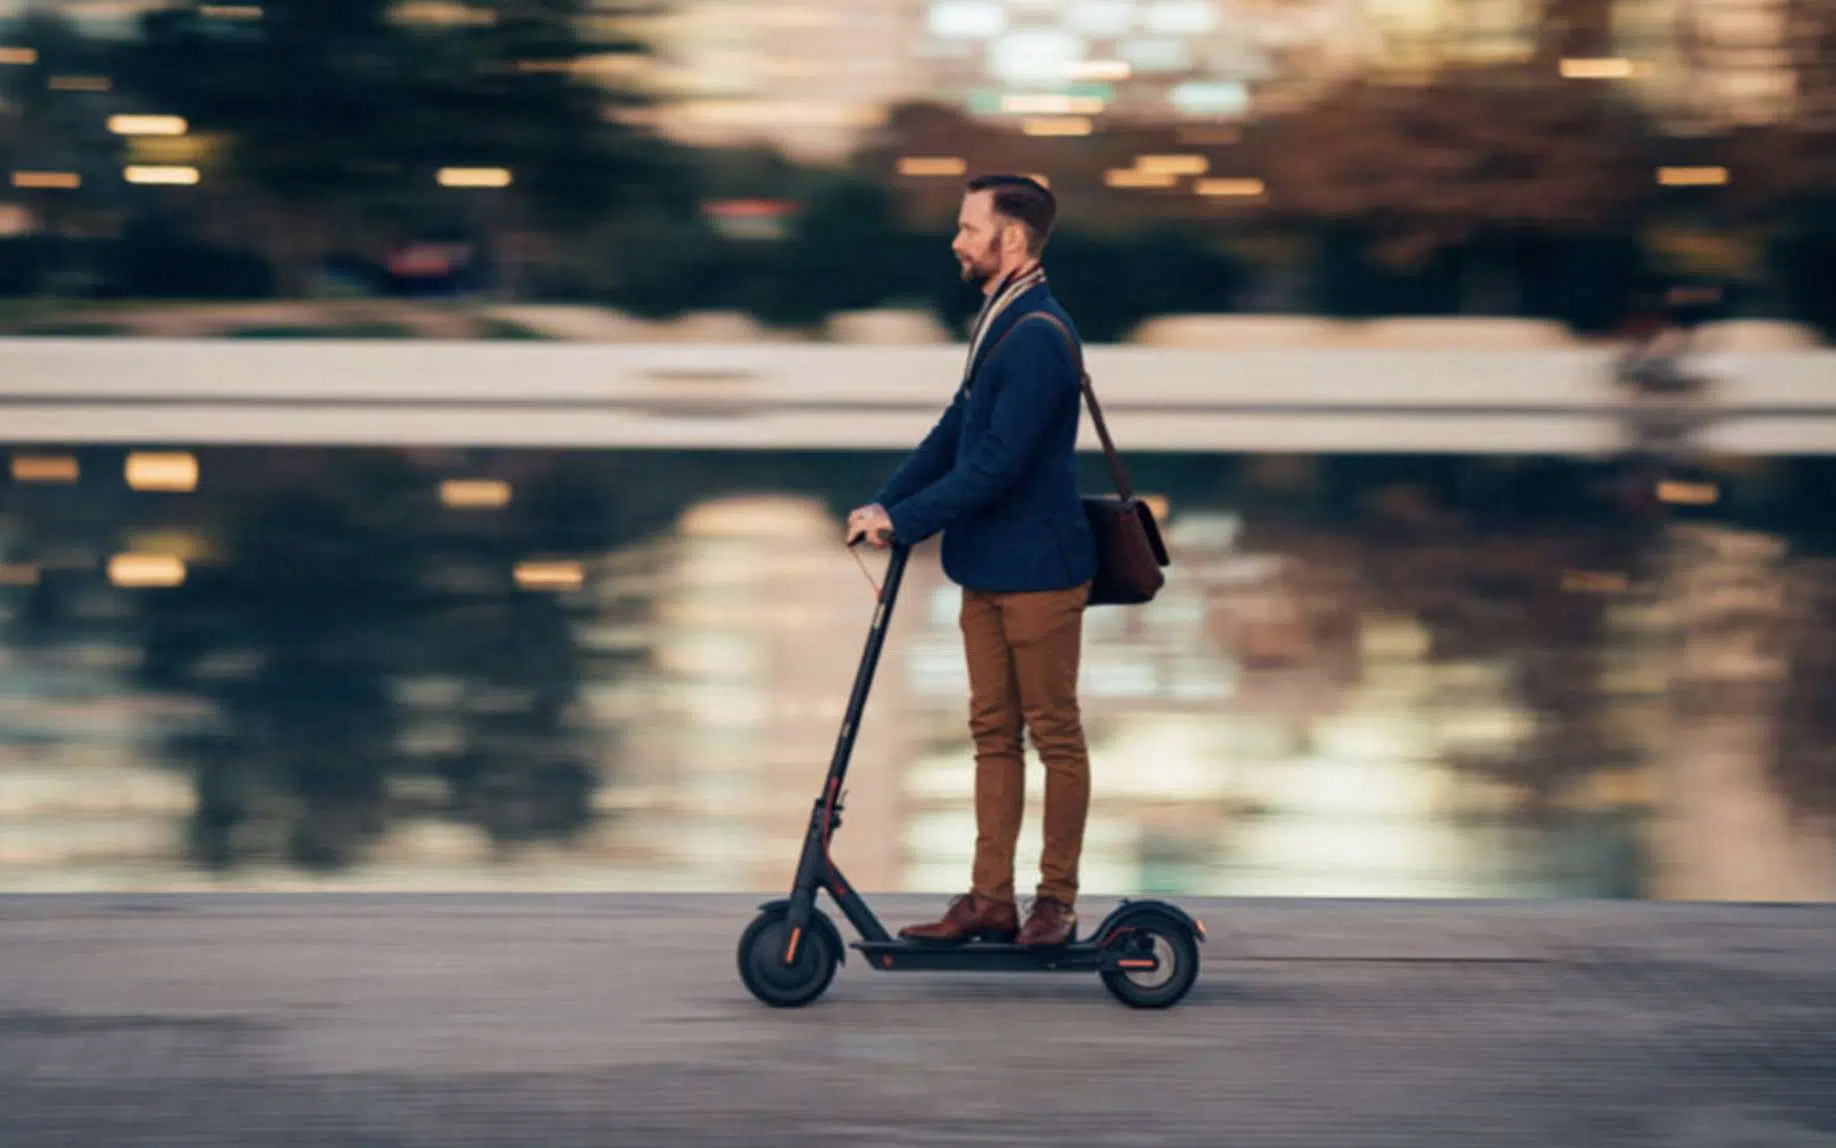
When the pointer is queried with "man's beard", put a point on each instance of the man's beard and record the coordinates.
(980, 270)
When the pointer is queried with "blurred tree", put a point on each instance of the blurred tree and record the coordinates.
(1118, 256)
(1485, 593)
(1493, 559)
(340, 584)
(54, 105)
(344, 111)
(1075, 165)
(1804, 750)
(294, 637)
(521, 759)
(1480, 166)
(1800, 256)
(848, 251)
(1112, 283)
(155, 258)
(753, 171)
(1571, 29)
(1811, 36)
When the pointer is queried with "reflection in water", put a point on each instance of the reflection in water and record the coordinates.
(353, 687)
(1727, 830)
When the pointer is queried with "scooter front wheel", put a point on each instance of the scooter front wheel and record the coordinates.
(765, 972)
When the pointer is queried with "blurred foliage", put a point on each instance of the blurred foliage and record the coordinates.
(1586, 282)
(306, 615)
(1495, 190)
(1430, 167)
(367, 653)
(1801, 255)
(370, 108)
(351, 634)
(157, 260)
(370, 662)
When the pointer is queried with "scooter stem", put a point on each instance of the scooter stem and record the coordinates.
(870, 660)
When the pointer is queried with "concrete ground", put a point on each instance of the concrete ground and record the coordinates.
(553, 1021)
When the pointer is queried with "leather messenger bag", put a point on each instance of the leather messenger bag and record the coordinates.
(1130, 552)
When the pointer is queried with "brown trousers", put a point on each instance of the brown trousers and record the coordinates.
(1023, 650)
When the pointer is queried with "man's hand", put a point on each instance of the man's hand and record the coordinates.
(872, 524)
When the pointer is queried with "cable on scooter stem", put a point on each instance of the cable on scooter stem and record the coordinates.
(854, 548)
(830, 797)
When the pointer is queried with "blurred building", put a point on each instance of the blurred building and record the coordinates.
(805, 77)
(756, 625)
(1418, 36)
(811, 78)
(1139, 59)
(112, 18)
(1719, 63)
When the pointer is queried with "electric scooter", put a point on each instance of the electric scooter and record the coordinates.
(1145, 951)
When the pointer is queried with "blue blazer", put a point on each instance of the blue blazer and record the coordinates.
(997, 474)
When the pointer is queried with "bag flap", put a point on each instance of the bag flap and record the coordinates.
(1142, 513)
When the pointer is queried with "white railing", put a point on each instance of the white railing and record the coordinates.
(790, 396)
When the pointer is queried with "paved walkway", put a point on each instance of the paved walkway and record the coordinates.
(551, 1022)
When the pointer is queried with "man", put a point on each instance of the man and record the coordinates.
(997, 476)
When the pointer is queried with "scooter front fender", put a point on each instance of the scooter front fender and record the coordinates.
(818, 920)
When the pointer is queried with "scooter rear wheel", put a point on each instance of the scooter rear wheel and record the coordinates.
(1177, 953)
(761, 960)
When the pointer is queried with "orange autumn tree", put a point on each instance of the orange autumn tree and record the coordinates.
(1494, 154)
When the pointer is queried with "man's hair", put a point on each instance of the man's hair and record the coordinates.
(1024, 200)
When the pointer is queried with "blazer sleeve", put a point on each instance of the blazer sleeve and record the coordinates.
(1040, 376)
(929, 460)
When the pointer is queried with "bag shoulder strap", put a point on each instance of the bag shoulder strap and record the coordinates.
(1117, 471)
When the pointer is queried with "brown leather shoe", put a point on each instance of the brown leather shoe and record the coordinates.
(1050, 923)
(969, 918)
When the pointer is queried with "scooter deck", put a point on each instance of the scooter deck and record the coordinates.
(996, 957)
